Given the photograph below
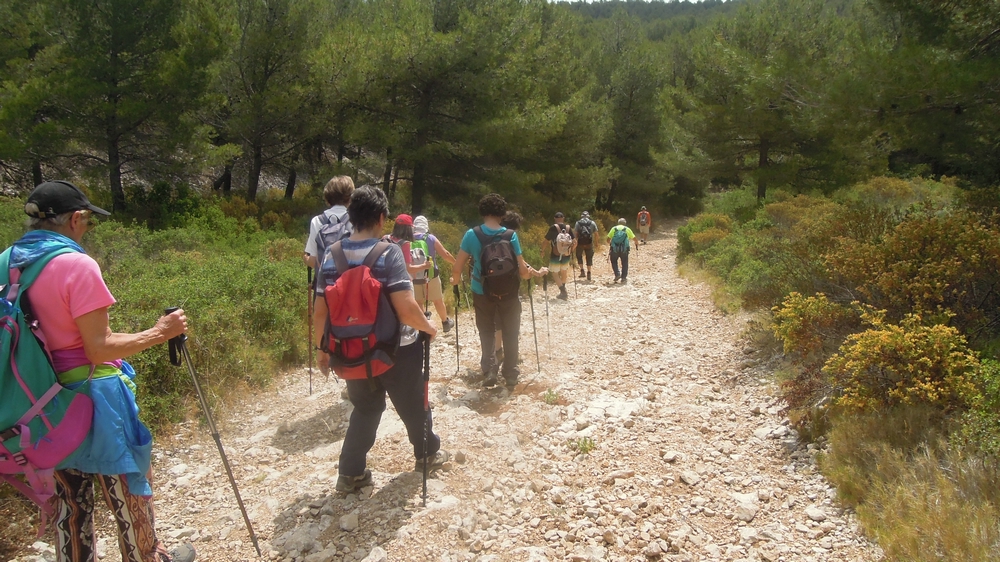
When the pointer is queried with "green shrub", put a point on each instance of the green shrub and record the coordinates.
(686, 243)
(980, 427)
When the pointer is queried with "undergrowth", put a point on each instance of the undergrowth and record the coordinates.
(885, 300)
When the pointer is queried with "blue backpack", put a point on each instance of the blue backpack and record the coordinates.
(42, 423)
(619, 241)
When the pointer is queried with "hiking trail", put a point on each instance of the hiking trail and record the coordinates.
(691, 457)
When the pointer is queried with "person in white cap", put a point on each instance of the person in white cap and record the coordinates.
(429, 288)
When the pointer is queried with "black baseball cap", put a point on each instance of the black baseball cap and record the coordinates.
(53, 198)
(559, 215)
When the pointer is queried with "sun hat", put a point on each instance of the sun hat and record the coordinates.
(420, 225)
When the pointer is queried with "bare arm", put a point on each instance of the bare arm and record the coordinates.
(102, 345)
(443, 252)
(527, 272)
(459, 266)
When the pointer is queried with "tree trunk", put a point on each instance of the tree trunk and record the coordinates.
(609, 200)
(387, 175)
(290, 186)
(417, 189)
(395, 181)
(36, 172)
(115, 176)
(762, 164)
(253, 182)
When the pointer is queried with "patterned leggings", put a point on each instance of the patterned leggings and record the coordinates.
(75, 519)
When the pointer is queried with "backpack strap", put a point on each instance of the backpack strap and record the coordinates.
(339, 258)
(19, 280)
(375, 253)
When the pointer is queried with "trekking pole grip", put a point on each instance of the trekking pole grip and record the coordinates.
(175, 342)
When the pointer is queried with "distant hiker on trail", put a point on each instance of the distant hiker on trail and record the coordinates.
(402, 236)
(403, 381)
(618, 239)
(431, 248)
(497, 270)
(70, 301)
(643, 220)
(336, 193)
(559, 244)
(585, 230)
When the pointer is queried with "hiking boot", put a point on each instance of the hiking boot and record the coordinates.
(434, 461)
(351, 483)
(588, 275)
(510, 383)
(491, 380)
(562, 293)
(583, 273)
(616, 279)
(624, 281)
(448, 324)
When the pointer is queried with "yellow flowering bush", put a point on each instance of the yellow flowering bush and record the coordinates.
(906, 363)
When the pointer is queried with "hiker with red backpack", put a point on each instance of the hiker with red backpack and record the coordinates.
(497, 270)
(643, 221)
(67, 305)
(559, 244)
(429, 248)
(371, 328)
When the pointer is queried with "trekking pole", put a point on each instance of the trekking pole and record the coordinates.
(458, 352)
(548, 332)
(427, 407)
(177, 345)
(575, 294)
(309, 321)
(534, 330)
(475, 327)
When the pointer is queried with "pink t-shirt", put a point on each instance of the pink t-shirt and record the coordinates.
(68, 287)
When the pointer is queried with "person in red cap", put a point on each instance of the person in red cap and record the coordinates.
(70, 301)
(402, 235)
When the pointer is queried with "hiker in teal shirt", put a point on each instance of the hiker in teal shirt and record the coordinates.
(490, 307)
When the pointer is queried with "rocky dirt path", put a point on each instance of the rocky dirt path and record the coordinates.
(689, 457)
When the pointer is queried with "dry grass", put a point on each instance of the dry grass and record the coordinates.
(723, 299)
(917, 496)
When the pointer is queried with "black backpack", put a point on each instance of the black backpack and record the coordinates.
(498, 264)
(584, 234)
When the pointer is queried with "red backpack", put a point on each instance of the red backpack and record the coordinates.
(362, 330)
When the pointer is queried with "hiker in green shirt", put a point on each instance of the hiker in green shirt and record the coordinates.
(618, 239)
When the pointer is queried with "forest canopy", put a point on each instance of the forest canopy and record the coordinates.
(586, 104)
